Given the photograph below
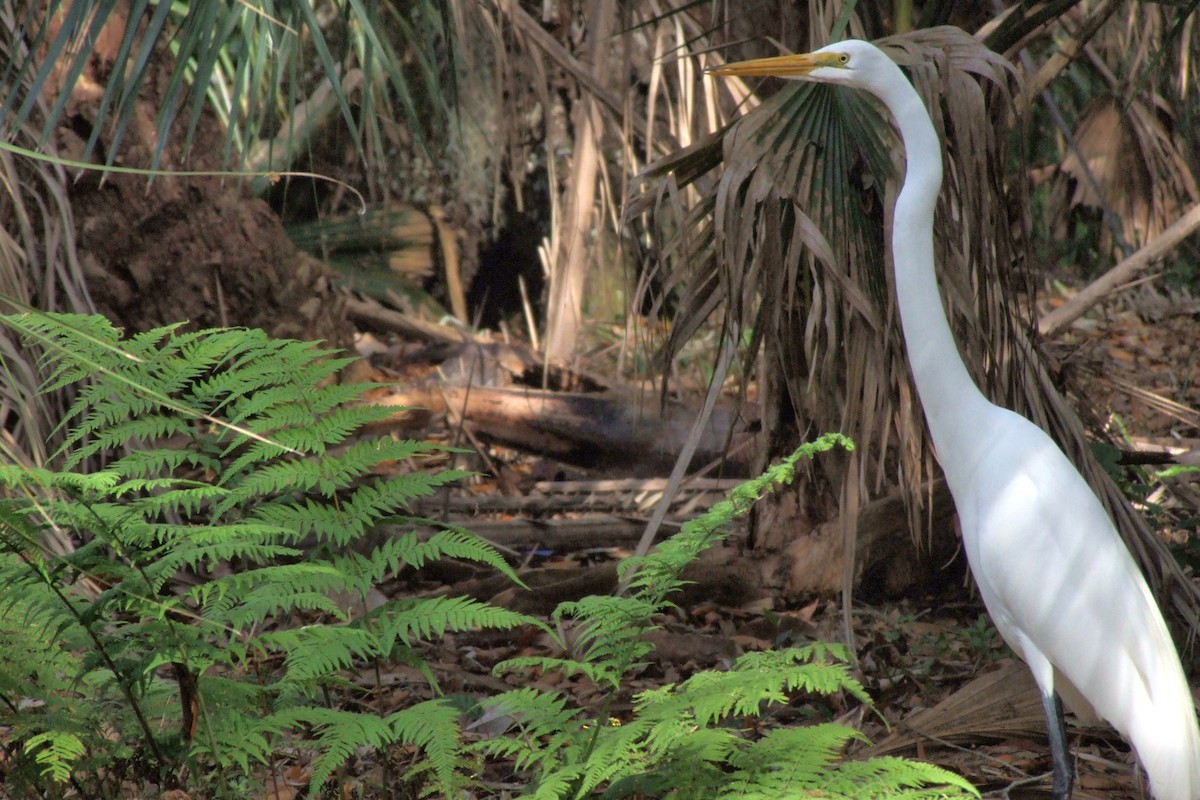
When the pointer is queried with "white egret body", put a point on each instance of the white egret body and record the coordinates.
(1059, 583)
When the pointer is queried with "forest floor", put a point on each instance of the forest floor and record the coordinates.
(946, 689)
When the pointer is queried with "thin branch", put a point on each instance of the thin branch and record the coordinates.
(1158, 247)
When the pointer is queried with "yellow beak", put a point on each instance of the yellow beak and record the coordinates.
(793, 66)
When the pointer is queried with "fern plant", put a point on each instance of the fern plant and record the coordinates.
(234, 460)
(686, 741)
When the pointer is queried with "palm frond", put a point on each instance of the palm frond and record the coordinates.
(39, 268)
(795, 253)
(249, 63)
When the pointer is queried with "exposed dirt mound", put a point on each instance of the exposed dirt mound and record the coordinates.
(198, 251)
(176, 248)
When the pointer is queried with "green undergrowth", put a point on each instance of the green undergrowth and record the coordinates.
(692, 739)
(184, 605)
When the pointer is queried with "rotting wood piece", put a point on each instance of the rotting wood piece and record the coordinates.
(717, 577)
(594, 431)
(798, 570)
(628, 496)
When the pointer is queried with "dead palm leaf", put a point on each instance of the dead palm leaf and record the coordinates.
(1134, 170)
(798, 245)
(795, 253)
(1128, 152)
(38, 268)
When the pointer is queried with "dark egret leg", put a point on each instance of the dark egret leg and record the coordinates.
(1060, 754)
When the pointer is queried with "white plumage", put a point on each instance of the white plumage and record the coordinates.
(1059, 583)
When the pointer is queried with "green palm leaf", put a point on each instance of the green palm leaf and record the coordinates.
(250, 63)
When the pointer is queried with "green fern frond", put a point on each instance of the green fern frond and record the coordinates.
(94, 435)
(252, 595)
(892, 777)
(609, 632)
(293, 426)
(799, 756)
(149, 461)
(433, 726)
(274, 389)
(601, 673)
(227, 738)
(692, 745)
(318, 651)
(56, 753)
(370, 504)
(410, 620)
(65, 335)
(97, 483)
(537, 714)
(338, 734)
(327, 475)
(800, 763)
(449, 542)
(754, 680)
(655, 575)
(558, 784)
(156, 498)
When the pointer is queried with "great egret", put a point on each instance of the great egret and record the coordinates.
(1054, 574)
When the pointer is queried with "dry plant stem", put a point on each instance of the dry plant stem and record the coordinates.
(689, 449)
(530, 27)
(1065, 314)
(296, 133)
(449, 248)
(1037, 87)
(1007, 791)
(974, 753)
(570, 268)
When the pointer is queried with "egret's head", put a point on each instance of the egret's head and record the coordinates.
(850, 63)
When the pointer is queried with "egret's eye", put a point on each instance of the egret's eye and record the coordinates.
(843, 58)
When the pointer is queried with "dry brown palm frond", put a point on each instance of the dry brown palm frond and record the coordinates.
(795, 253)
(798, 256)
(541, 107)
(1134, 169)
(635, 67)
(39, 268)
(1129, 157)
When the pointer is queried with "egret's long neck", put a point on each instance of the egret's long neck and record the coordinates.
(950, 398)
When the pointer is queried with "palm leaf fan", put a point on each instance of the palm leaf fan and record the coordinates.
(796, 254)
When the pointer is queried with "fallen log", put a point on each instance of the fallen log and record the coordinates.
(599, 431)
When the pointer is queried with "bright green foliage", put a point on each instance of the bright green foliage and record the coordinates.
(55, 751)
(432, 725)
(220, 457)
(212, 455)
(691, 740)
